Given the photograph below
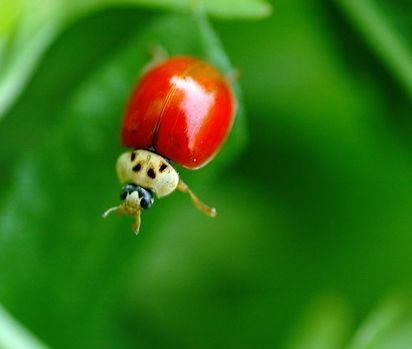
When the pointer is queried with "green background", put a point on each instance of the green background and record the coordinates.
(312, 247)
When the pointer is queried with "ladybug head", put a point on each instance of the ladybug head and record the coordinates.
(136, 197)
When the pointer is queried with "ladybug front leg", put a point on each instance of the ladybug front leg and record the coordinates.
(210, 211)
(118, 209)
(136, 225)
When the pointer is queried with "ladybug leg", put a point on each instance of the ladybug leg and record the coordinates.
(136, 225)
(119, 209)
(210, 211)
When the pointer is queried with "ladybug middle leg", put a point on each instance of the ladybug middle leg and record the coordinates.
(202, 207)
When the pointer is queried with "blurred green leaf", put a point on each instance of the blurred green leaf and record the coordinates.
(388, 327)
(400, 337)
(324, 325)
(218, 8)
(14, 336)
(9, 14)
(373, 21)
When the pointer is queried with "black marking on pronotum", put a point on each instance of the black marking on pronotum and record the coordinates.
(137, 168)
(151, 173)
(162, 167)
(132, 156)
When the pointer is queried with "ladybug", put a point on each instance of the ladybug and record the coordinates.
(180, 111)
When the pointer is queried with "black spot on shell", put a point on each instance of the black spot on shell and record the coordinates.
(162, 167)
(137, 168)
(151, 173)
(132, 156)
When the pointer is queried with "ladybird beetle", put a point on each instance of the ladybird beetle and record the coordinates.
(181, 111)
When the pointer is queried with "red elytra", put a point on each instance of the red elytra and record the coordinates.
(183, 108)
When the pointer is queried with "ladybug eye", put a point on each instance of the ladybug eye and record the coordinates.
(132, 156)
(127, 189)
(146, 198)
(145, 203)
